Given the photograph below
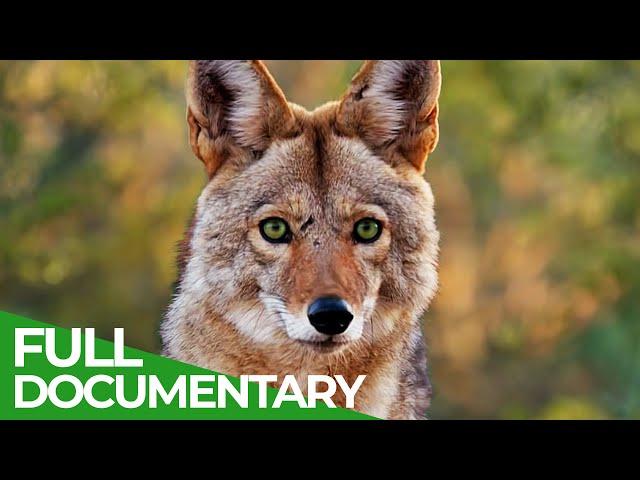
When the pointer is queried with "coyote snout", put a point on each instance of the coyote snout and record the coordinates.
(326, 326)
(313, 248)
(330, 315)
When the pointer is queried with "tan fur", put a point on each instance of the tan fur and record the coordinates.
(240, 307)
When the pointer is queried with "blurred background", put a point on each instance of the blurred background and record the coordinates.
(537, 186)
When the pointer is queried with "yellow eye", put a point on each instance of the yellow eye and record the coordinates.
(275, 230)
(367, 230)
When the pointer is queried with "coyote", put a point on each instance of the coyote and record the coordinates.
(313, 247)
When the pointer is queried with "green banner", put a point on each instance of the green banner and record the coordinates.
(43, 377)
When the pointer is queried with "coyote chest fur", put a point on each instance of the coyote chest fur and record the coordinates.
(313, 247)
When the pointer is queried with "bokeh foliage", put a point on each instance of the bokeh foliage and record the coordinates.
(537, 185)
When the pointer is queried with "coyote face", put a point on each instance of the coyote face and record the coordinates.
(314, 240)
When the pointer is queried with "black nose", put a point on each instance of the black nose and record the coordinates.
(330, 315)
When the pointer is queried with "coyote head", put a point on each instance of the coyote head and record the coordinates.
(316, 229)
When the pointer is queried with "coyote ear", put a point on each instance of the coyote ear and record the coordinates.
(233, 104)
(394, 103)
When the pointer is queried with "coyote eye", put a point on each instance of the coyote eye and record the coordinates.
(367, 230)
(275, 230)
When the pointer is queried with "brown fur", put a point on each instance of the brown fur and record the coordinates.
(321, 171)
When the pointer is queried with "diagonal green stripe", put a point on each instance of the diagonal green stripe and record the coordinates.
(167, 371)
